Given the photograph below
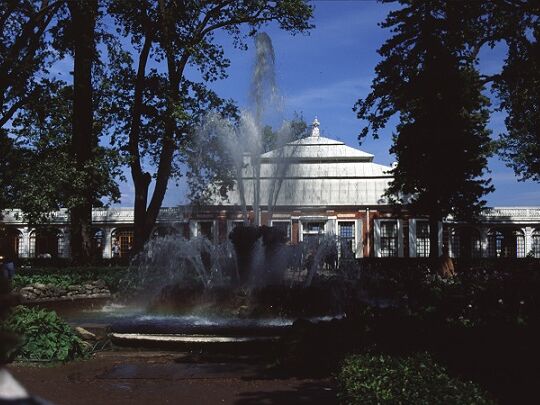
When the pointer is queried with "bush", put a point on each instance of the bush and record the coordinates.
(63, 277)
(43, 336)
(382, 379)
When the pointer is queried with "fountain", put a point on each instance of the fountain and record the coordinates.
(252, 286)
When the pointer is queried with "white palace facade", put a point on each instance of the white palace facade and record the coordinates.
(328, 188)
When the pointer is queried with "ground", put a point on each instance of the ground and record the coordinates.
(135, 377)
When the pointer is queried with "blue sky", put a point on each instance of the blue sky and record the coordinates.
(322, 74)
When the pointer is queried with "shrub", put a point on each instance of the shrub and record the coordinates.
(382, 379)
(63, 277)
(43, 336)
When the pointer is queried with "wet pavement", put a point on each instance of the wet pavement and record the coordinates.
(134, 377)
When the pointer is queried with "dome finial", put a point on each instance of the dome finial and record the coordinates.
(315, 128)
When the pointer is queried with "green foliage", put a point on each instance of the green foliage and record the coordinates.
(484, 293)
(382, 379)
(44, 336)
(49, 177)
(426, 77)
(24, 52)
(63, 277)
(519, 90)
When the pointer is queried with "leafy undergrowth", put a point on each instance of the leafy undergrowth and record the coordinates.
(43, 336)
(64, 277)
(382, 379)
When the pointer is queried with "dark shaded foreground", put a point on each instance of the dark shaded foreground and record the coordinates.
(169, 378)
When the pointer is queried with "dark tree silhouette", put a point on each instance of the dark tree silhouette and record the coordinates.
(441, 143)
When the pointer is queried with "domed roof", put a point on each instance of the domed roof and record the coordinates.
(317, 171)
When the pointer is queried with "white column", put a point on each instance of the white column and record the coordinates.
(25, 245)
(107, 242)
(377, 238)
(192, 229)
(330, 227)
(412, 237)
(484, 241)
(358, 238)
(400, 237)
(65, 248)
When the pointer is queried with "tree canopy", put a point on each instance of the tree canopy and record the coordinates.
(441, 142)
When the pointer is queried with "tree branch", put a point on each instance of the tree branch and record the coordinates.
(134, 133)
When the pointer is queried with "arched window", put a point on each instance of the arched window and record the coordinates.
(465, 242)
(496, 243)
(46, 243)
(164, 230)
(98, 240)
(536, 243)
(520, 243)
(122, 242)
(11, 243)
(506, 243)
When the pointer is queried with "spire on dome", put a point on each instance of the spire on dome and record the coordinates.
(315, 128)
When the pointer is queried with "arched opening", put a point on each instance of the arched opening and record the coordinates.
(98, 240)
(164, 230)
(11, 241)
(122, 242)
(465, 242)
(46, 243)
(503, 242)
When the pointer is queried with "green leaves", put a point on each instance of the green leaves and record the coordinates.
(428, 77)
(70, 276)
(383, 379)
(44, 336)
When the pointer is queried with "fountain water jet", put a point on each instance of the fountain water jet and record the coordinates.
(254, 275)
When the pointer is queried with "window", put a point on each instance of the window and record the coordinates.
(162, 231)
(97, 242)
(312, 230)
(46, 243)
(285, 226)
(122, 242)
(389, 239)
(465, 242)
(506, 243)
(11, 242)
(422, 239)
(520, 244)
(495, 243)
(476, 244)
(536, 244)
(346, 234)
(206, 229)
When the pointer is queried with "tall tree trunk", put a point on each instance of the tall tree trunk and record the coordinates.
(434, 236)
(83, 141)
(145, 217)
(141, 179)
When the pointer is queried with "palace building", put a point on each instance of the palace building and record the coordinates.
(325, 187)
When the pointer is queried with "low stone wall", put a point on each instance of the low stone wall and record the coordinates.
(46, 292)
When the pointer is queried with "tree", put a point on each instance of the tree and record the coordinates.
(441, 143)
(180, 33)
(23, 52)
(518, 88)
(84, 141)
(47, 177)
